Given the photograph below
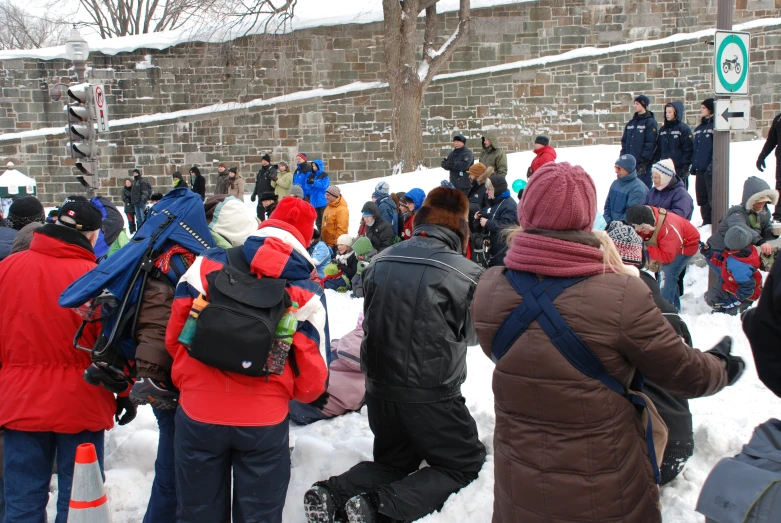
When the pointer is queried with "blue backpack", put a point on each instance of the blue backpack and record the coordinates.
(174, 231)
(537, 304)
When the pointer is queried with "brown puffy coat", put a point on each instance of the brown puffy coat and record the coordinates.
(152, 358)
(567, 448)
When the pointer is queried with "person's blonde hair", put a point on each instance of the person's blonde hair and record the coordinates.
(610, 255)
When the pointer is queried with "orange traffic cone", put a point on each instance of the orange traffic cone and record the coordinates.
(88, 498)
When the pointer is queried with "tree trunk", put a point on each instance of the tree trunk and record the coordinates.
(407, 129)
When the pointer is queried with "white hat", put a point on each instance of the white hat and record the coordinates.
(345, 239)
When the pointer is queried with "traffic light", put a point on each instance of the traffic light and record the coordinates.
(83, 143)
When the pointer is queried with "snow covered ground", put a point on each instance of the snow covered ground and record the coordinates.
(723, 423)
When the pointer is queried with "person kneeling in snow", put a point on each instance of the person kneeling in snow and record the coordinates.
(414, 365)
(740, 282)
(346, 384)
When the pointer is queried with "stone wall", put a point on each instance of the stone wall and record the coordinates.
(192, 75)
(582, 101)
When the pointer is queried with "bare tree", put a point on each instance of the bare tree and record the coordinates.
(409, 77)
(20, 29)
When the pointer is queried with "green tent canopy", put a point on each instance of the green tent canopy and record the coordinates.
(14, 183)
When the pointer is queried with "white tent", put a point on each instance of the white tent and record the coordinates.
(14, 183)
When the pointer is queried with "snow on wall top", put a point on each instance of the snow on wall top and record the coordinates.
(308, 14)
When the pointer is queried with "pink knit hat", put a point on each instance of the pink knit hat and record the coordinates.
(559, 197)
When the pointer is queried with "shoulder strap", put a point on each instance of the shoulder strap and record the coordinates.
(662, 215)
(537, 304)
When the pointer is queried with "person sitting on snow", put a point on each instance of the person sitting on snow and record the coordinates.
(320, 253)
(411, 201)
(339, 274)
(740, 282)
(346, 383)
(627, 190)
(378, 231)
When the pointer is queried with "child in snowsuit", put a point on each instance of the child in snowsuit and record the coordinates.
(740, 282)
(320, 253)
(343, 268)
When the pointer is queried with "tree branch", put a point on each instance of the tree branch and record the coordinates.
(444, 53)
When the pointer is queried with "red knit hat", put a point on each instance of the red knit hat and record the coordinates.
(296, 217)
(560, 197)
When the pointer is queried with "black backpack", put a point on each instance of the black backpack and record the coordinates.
(236, 330)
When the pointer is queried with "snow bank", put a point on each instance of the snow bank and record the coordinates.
(308, 14)
(722, 423)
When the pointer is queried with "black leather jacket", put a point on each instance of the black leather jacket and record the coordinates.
(417, 324)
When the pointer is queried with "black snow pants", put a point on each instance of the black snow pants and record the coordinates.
(444, 434)
(205, 455)
(704, 187)
(777, 211)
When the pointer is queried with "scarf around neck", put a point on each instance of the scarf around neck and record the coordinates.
(561, 254)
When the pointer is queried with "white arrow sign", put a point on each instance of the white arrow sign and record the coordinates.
(732, 115)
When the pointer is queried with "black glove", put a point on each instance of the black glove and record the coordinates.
(310, 180)
(734, 364)
(445, 164)
(685, 172)
(705, 249)
(761, 164)
(320, 402)
(252, 198)
(124, 404)
(641, 168)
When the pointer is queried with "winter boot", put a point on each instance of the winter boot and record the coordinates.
(360, 509)
(319, 505)
(158, 394)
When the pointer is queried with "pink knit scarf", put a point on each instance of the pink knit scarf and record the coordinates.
(540, 253)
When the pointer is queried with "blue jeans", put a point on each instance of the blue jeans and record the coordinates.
(206, 454)
(162, 502)
(29, 457)
(140, 215)
(303, 414)
(669, 284)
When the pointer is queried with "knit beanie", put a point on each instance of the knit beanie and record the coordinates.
(666, 171)
(266, 157)
(136, 172)
(24, 210)
(459, 138)
(627, 241)
(710, 105)
(627, 162)
(559, 197)
(640, 215)
(297, 192)
(334, 191)
(448, 208)
(542, 140)
(302, 156)
(737, 238)
(447, 184)
(499, 184)
(345, 239)
(296, 217)
(643, 100)
(381, 189)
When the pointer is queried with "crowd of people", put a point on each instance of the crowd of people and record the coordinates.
(230, 341)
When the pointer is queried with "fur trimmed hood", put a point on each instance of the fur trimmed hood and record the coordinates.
(754, 189)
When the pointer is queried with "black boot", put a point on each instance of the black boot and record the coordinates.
(319, 505)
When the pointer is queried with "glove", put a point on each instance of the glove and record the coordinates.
(761, 164)
(705, 249)
(320, 402)
(734, 364)
(252, 198)
(685, 172)
(310, 180)
(124, 404)
(641, 168)
(445, 164)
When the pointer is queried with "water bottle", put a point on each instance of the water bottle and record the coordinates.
(283, 339)
(188, 331)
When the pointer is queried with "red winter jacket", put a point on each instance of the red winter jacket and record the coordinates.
(41, 388)
(678, 236)
(210, 395)
(734, 280)
(545, 155)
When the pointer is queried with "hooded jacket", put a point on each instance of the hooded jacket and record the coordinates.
(317, 182)
(300, 176)
(210, 395)
(675, 140)
(236, 186)
(677, 236)
(458, 163)
(41, 382)
(233, 222)
(502, 214)
(493, 156)
(416, 330)
(639, 138)
(418, 197)
(336, 220)
(567, 447)
(264, 181)
(7, 237)
(140, 191)
(380, 233)
(478, 198)
(624, 193)
(675, 198)
(199, 183)
(702, 155)
(743, 215)
(221, 186)
(389, 212)
(282, 184)
(762, 325)
(542, 156)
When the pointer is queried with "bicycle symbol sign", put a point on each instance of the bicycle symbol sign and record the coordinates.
(731, 65)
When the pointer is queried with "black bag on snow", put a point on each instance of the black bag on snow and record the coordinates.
(236, 330)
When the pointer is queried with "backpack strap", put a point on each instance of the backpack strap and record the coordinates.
(537, 304)
(652, 240)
